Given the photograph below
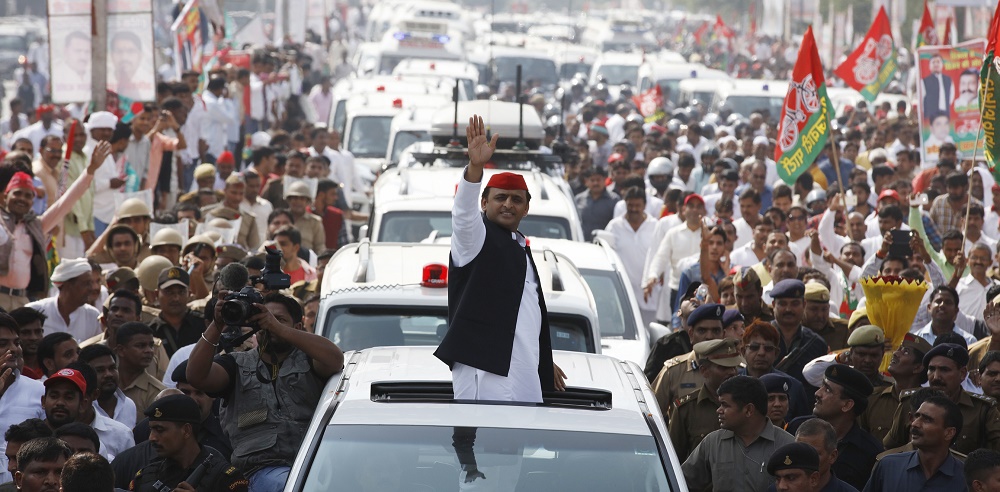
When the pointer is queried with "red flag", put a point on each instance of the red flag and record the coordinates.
(649, 102)
(991, 37)
(803, 127)
(927, 35)
(698, 33)
(721, 29)
(871, 66)
(947, 32)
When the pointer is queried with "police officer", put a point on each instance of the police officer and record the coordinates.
(832, 329)
(778, 386)
(867, 348)
(173, 422)
(693, 416)
(946, 369)
(795, 468)
(680, 375)
(907, 369)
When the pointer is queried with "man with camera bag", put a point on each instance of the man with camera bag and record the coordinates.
(269, 394)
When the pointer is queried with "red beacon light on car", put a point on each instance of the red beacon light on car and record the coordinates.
(380, 88)
(397, 103)
(435, 276)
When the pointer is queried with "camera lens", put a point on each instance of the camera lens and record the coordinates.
(235, 312)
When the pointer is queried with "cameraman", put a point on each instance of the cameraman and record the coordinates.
(284, 377)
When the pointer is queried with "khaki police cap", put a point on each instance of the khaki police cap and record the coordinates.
(167, 237)
(723, 352)
(134, 207)
(149, 271)
(866, 336)
(817, 292)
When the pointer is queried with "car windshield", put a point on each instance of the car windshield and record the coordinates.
(613, 307)
(671, 89)
(619, 74)
(361, 327)
(568, 70)
(405, 139)
(538, 69)
(756, 104)
(413, 227)
(438, 458)
(340, 116)
(13, 43)
(369, 136)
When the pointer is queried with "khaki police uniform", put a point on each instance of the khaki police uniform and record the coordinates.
(980, 429)
(693, 417)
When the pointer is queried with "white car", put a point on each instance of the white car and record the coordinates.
(622, 332)
(389, 421)
(387, 294)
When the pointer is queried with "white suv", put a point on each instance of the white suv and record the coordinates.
(390, 422)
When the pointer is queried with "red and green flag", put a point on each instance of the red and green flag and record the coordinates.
(873, 64)
(805, 117)
(927, 35)
(989, 82)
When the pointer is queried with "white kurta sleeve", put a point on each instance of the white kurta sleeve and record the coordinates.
(468, 230)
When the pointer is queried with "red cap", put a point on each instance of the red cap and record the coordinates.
(694, 196)
(507, 181)
(599, 103)
(996, 188)
(615, 157)
(70, 375)
(226, 157)
(889, 194)
(20, 180)
(44, 108)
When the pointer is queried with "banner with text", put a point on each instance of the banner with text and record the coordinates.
(948, 94)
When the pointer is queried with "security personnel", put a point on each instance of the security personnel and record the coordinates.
(750, 296)
(229, 209)
(777, 386)
(167, 242)
(832, 329)
(177, 325)
(946, 369)
(113, 256)
(693, 416)
(135, 214)
(173, 423)
(148, 274)
(907, 369)
(680, 375)
(795, 468)
(228, 253)
(867, 345)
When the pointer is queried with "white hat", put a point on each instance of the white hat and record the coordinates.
(760, 140)
(260, 139)
(685, 147)
(70, 269)
(102, 119)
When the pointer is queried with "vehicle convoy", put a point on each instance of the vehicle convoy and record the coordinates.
(387, 294)
(389, 421)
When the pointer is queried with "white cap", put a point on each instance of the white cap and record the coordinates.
(760, 140)
(70, 269)
(260, 139)
(102, 119)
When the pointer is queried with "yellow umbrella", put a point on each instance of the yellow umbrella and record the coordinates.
(892, 303)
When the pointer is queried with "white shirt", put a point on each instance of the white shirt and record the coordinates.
(744, 256)
(983, 238)
(125, 412)
(220, 115)
(661, 296)
(633, 246)
(321, 102)
(82, 322)
(104, 195)
(828, 237)
(972, 296)
(260, 208)
(21, 401)
(341, 169)
(677, 243)
(712, 200)
(192, 132)
(616, 127)
(182, 354)
(653, 206)
(36, 132)
(929, 335)
(521, 382)
(115, 437)
(744, 233)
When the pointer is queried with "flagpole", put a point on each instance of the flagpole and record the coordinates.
(975, 153)
(836, 160)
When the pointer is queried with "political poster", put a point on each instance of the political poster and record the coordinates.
(69, 52)
(131, 71)
(190, 35)
(948, 96)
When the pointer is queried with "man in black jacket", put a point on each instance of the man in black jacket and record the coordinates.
(497, 345)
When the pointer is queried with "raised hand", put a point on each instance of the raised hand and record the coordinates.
(101, 152)
(480, 150)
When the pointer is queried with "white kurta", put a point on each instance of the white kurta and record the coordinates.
(521, 382)
(632, 246)
(21, 401)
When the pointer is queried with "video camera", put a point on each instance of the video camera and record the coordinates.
(238, 307)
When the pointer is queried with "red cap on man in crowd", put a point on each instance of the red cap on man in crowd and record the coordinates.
(20, 180)
(226, 157)
(694, 196)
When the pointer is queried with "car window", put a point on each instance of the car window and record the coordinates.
(369, 136)
(362, 327)
(413, 227)
(405, 139)
(437, 458)
(613, 307)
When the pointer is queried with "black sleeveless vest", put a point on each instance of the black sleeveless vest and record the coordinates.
(483, 301)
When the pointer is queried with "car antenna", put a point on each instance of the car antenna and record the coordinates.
(454, 143)
(520, 145)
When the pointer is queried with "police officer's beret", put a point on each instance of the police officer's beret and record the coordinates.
(952, 351)
(746, 278)
(856, 385)
(916, 342)
(722, 352)
(707, 312)
(174, 408)
(775, 383)
(789, 288)
(866, 336)
(180, 373)
(794, 456)
(731, 316)
(816, 292)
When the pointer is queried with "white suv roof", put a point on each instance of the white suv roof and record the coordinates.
(390, 274)
(409, 387)
(433, 189)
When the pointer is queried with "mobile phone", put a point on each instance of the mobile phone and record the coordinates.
(852, 200)
(900, 247)
(921, 199)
